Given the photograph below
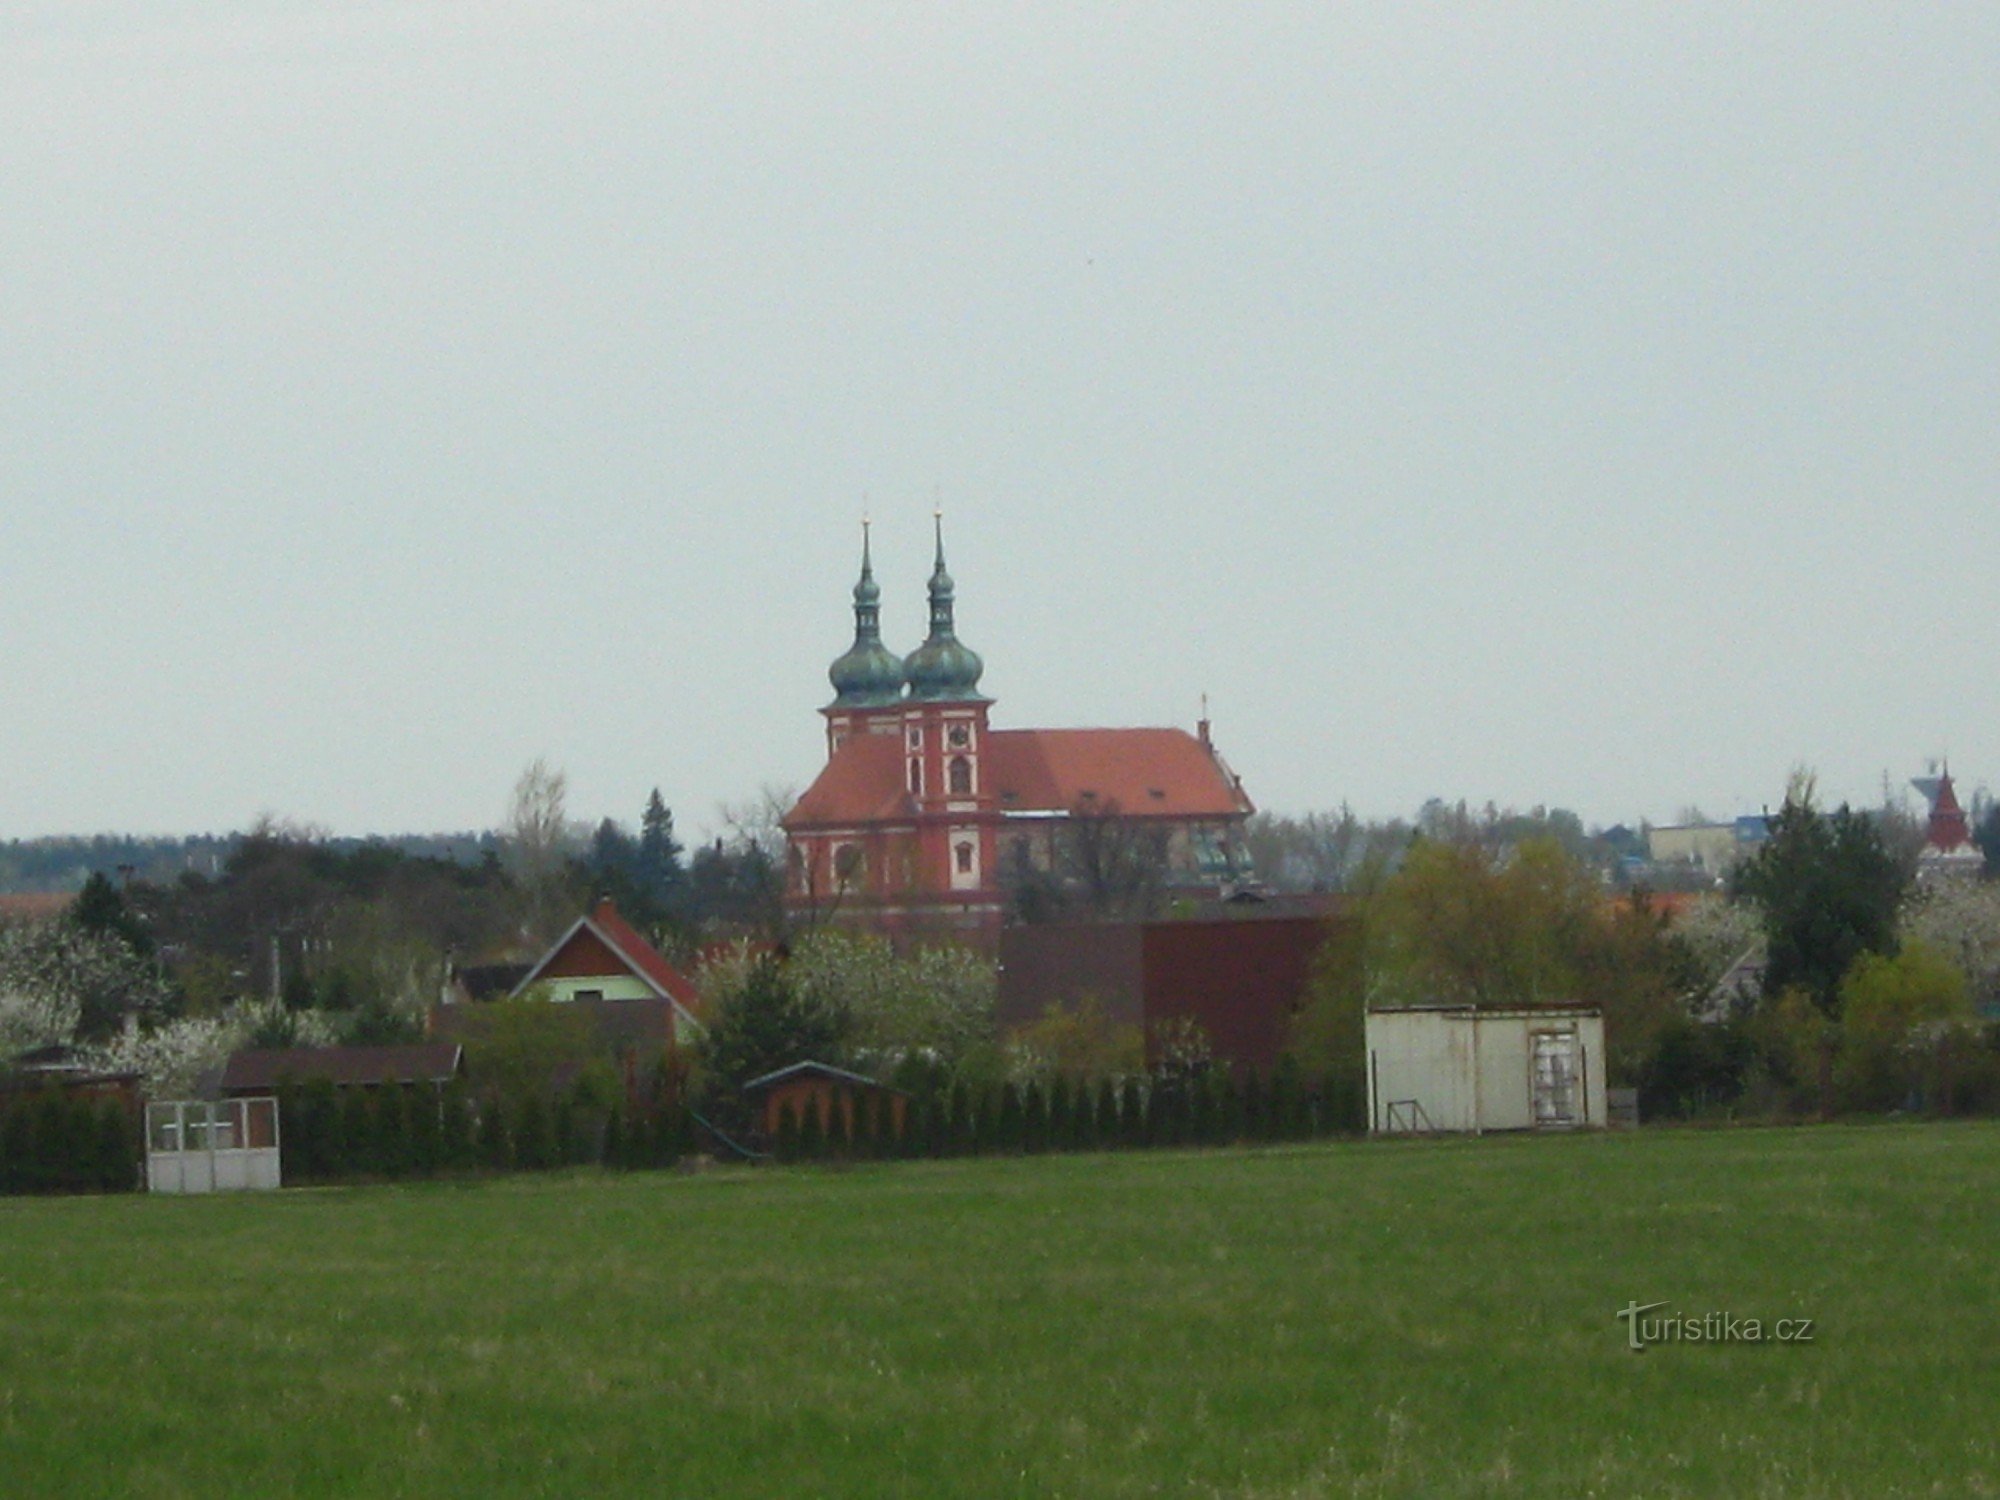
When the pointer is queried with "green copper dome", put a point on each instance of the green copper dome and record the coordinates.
(943, 667)
(867, 674)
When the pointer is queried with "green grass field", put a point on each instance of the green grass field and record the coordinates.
(1431, 1318)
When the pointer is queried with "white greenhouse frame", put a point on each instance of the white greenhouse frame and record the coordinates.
(212, 1145)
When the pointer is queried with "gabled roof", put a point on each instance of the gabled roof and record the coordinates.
(1144, 773)
(810, 1069)
(639, 958)
(265, 1068)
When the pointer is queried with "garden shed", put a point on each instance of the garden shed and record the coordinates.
(825, 1089)
(1460, 1068)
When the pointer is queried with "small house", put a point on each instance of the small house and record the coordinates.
(834, 1094)
(1460, 1068)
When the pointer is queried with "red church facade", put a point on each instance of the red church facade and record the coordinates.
(923, 808)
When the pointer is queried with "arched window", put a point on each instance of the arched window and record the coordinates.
(964, 854)
(961, 776)
(848, 865)
(916, 778)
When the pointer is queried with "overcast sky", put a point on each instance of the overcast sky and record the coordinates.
(1579, 404)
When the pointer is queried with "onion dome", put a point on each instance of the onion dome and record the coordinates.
(943, 667)
(868, 674)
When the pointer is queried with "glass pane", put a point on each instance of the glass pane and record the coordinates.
(227, 1131)
(261, 1124)
(163, 1131)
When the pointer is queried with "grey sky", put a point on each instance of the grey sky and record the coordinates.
(1558, 403)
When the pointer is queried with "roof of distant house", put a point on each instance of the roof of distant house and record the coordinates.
(265, 1068)
(35, 906)
(640, 957)
(1143, 773)
(810, 1069)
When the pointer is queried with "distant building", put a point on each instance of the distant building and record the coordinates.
(1711, 849)
(1240, 978)
(923, 811)
(1948, 848)
(1457, 1068)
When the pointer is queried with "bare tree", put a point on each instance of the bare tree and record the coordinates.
(540, 840)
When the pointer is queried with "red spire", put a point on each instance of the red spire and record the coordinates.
(1948, 828)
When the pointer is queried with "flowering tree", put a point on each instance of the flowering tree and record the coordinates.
(61, 983)
(1959, 919)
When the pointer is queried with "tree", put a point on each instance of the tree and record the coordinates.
(539, 842)
(1082, 1040)
(1897, 1013)
(659, 867)
(516, 1048)
(100, 908)
(1116, 863)
(1828, 891)
(760, 1020)
(935, 1001)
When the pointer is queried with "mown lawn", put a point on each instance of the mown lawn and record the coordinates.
(1430, 1318)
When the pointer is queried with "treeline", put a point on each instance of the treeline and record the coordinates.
(54, 1142)
(331, 1135)
(63, 863)
(1212, 1110)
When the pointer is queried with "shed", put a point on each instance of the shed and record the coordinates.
(1459, 1068)
(260, 1071)
(824, 1088)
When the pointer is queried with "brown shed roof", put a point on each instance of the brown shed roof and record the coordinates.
(265, 1068)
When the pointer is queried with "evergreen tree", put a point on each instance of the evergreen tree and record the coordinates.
(1132, 1115)
(1007, 1128)
(458, 1129)
(1828, 890)
(357, 1133)
(117, 1153)
(534, 1135)
(392, 1131)
(496, 1144)
(100, 907)
(1034, 1119)
(615, 1155)
(1104, 1118)
(1062, 1116)
(1250, 1108)
(660, 871)
(426, 1134)
(17, 1145)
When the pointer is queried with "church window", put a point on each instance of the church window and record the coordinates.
(960, 737)
(961, 776)
(916, 739)
(964, 854)
(916, 778)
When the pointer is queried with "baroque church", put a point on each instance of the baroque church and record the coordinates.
(925, 817)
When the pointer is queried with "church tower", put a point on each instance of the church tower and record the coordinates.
(944, 749)
(868, 677)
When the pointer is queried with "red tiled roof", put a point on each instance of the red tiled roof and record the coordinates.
(1164, 773)
(425, 1062)
(1161, 773)
(642, 955)
(639, 956)
(861, 783)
